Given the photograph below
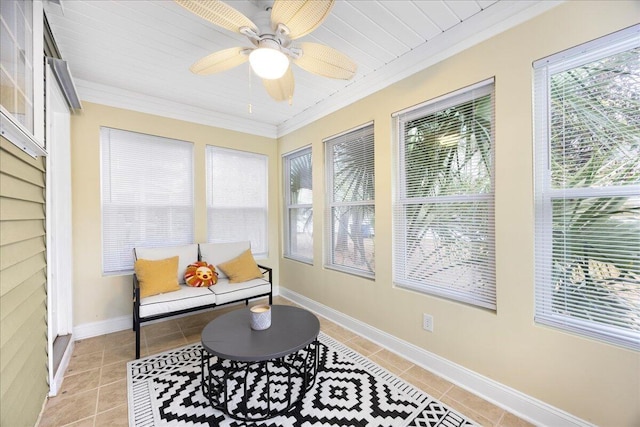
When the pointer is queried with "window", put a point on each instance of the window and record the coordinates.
(298, 210)
(350, 221)
(237, 190)
(22, 75)
(16, 67)
(147, 195)
(444, 209)
(587, 189)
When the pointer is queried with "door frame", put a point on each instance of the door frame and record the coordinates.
(59, 230)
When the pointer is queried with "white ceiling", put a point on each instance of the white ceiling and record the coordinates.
(136, 55)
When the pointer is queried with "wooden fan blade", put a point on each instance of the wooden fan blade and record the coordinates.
(300, 17)
(218, 13)
(325, 61)
(281, 89)
(220, 61)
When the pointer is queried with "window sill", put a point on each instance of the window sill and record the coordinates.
(15, 133)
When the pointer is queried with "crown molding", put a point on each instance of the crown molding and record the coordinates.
(129, 100)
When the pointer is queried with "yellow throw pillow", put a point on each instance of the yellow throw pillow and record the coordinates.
(157, 276)
(241, 268)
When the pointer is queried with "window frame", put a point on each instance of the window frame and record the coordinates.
(289, 206)
(545, 194)
(210, 150)
(31, 141)
(155, 240)
(485, 300)
(331, 203)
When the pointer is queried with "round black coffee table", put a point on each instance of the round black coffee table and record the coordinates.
(255, 375)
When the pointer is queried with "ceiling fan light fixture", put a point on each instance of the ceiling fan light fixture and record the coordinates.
(268, 63)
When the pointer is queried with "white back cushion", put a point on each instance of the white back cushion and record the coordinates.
(219, 252)
(187, 254)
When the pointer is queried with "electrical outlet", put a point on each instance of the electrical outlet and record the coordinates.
(427, 322)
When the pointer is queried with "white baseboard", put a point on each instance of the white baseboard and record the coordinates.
(514, 401)
(103, 327)
(117, 324)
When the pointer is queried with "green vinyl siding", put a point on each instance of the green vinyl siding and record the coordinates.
(23, 311)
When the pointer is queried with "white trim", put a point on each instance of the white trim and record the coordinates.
(102, 327)
(123, 323)
(56, 383)
(58, 223)
(120, 98)
(15, 133)
(62, 73)
(353, 129)
(288, 206)
(624, 39)
(297, 150)
(467, 93)
(38, 73)
(514, 401)
(298, 259)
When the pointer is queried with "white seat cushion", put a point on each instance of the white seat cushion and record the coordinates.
(187, 254)
(219, 252)
(228, 292)
(186, 297)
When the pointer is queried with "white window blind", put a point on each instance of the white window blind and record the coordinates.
(237, 194)
(298, 210)
(587, 189)
(444, 209)
(350, 214)
(147, 195)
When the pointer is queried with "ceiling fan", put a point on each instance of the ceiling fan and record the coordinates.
(272, 35)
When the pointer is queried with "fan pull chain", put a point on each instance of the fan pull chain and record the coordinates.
(250, 90)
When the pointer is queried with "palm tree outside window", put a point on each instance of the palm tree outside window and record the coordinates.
(443, 232)
(587, 194)
(350, 216)
(298, 227)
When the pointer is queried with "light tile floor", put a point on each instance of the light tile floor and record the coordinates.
(94, 390)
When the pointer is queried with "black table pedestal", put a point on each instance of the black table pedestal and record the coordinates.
(256, 391)
(255, 375)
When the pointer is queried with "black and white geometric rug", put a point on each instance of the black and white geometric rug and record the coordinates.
(350, 390)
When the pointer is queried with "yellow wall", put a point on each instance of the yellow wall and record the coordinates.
(592, 380)
(102, 298)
